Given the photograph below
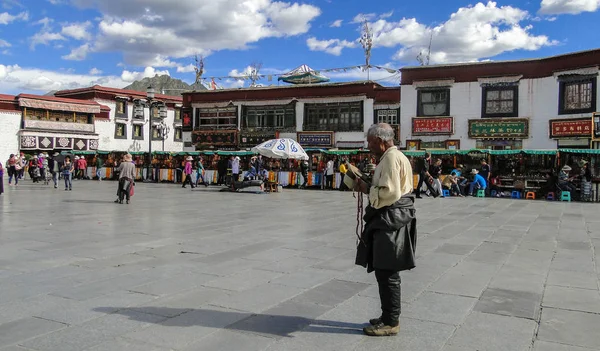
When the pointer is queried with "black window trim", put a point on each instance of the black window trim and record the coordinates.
(175, 139)
(124, 136)
(485, 89)
(575, 80)
(339, 105)
(125, 114)
(427, 90)
(291, 106)
(376, 110)
(141, 137)
(157, 138)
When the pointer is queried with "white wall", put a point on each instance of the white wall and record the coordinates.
(538, 101)
(106, 131)
(10, 123)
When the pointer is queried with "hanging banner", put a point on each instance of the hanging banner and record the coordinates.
(499, 128)
(316, 139)
(433, 126)
(251, 139)
(186, 119)
(572, 127)
(215, 138)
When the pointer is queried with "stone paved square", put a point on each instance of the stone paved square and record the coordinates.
(203, 270)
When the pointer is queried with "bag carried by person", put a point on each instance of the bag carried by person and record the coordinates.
(131, 189)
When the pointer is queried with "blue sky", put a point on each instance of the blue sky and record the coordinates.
(60, 44)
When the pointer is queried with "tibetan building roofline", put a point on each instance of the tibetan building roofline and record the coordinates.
(529, 68)
(9, 103)
(369, 88)
(98, 91)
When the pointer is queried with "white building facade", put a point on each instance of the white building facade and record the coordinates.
(10, 123)
(127, 125)
(531, 104)
(318, 116)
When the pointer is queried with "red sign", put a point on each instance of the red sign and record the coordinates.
(580, 127)
(428, 126)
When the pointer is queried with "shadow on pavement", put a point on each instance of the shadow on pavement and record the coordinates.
(265, 324)
(90, 201)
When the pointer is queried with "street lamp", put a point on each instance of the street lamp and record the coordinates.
(149, 98)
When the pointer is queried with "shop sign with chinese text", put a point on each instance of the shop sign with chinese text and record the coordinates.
(499, 128)
(315, 139)
(256, 138)
(432, 126)
(578, 127)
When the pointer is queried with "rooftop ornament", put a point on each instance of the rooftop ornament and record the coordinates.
(303, 75)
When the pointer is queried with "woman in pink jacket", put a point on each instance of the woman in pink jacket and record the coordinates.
(187, 170)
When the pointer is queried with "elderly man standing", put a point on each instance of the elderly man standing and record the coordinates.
(388, 241)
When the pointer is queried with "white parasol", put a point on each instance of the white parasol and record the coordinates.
(281, 148)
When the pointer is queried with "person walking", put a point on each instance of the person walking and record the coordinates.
(67, 172)
(1, 179)
(126, 172)
(304, 170)
(200, 172)
(329, 172)
(54, 168)
(425, 177)
(187, 172)
(387, 243)
(99, 165)
(11, 165)
(235, 171)
(82, 167)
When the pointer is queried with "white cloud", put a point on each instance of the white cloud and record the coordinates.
(557, 7)
(4, 44)
(336, 24)
(186, 69)
(45, 22)
(331, 46)
(364, 17)
(177, 29)
(472, 33)
(94, 71)
(78, 54)
(15, 79)
(44, 38)
(386, 15)
(7, 18)
(78, 31)
(148, 72)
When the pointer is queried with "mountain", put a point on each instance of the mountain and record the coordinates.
(164, 85)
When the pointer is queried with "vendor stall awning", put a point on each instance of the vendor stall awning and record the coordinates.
(58, 106)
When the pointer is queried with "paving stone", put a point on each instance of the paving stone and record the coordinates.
(243, 280)
(126, 344)
(582, 280)
(550, 346)
(227, 340)
(23, 329)
(572, 299)
(174, 284)
(183, 302)
(570, 328)
(510, 303)
(331, 293)
(455, 249)
(258, 298)
(467, 279)
(183, 330)
(306, 278)
(490, 332)
(441, 308)
(518, 279)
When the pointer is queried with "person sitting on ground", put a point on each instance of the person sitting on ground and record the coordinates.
(479, 183)
(451, 182)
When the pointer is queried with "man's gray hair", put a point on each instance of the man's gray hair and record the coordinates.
(382, 131)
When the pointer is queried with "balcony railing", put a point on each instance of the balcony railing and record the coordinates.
(59, 126)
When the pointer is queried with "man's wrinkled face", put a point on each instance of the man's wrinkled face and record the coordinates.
(376, 146)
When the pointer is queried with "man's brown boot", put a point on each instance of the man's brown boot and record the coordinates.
(375, 321)
(381, 330)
